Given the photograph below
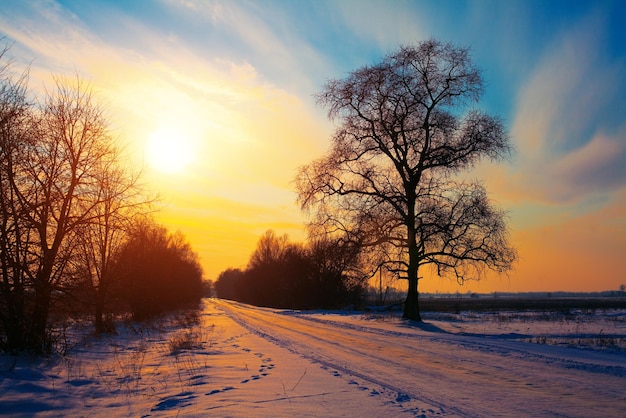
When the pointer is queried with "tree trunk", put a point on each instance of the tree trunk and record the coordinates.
(37, 340)
(411, 305)
(102, 323)
(14, 323)
(99, 323)
(12, 296)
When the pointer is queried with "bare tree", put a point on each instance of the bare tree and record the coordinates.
(391, 177)
(337, 271)
(14, 112)
(270, 249)
(118, 198)
(70, 142)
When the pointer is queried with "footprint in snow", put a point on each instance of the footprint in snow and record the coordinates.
(403, 397)
(178, 401)
(354, 382)
(224, 389)
(197, 380)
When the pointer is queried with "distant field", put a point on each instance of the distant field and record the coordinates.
(513, 303)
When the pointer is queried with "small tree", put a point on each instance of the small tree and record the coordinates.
(391, 175)
(119, 200)
(275, 272)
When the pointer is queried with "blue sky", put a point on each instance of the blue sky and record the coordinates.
(237, 78)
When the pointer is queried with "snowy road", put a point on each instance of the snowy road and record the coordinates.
(456, 374)
(244, 361)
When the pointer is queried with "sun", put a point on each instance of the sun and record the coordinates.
(169, 150)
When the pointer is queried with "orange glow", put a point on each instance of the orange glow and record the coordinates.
(583, 253)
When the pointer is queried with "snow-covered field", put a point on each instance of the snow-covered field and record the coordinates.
(238, 360)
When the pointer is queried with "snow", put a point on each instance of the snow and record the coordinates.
(238, 360)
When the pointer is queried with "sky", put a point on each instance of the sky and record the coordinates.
(215, 100)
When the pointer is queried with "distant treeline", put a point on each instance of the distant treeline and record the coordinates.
(511, 302)
(282, 274)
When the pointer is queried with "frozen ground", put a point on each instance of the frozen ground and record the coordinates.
(237, 360)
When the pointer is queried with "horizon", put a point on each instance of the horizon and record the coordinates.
(215, 100)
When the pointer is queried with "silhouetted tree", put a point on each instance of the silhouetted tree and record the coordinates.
(391, 175)
(157, 271)
(337, 274)
(66, 202)
(70, 142)
(270, 249)
(267, 279)
(227, 283)
(119, 201)
(14, 232)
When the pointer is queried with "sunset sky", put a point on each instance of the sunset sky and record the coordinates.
(215, 99)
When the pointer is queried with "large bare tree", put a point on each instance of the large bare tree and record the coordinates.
(392, 177)
(70, 138)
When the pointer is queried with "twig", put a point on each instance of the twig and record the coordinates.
(299, 380)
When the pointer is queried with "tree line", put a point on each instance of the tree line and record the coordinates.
(76, 235)
(320, 273)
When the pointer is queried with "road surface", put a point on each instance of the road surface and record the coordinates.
(457, 374)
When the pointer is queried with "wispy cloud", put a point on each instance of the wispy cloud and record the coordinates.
(596, 167)
(570, 145)
(386, 25)
(262, 34)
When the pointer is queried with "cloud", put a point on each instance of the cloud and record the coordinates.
(262, 34)
(214, 11)
(378, 23)
(597, 166)
(43, 32)
(571, 143)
